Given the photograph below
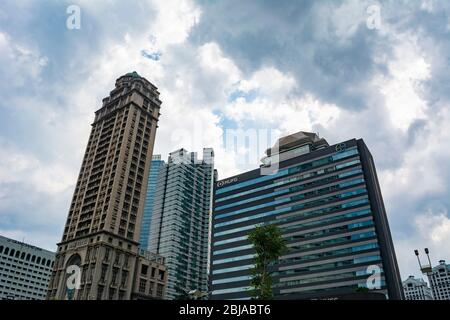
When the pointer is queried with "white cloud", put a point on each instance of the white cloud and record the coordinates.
(401, 88)
(269, 82)
(291, 115)
(22, 62)
(21, 167)
(435, 229)
(421, 174)
(174, 20)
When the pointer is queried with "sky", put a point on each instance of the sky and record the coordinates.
(344, 69)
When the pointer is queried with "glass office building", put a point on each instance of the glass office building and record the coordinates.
(153, 175)
(181, 219)
(326, 200)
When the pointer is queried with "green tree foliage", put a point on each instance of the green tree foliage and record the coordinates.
(269, 246)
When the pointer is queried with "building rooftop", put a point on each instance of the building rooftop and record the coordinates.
(296, 140)
(134, 74)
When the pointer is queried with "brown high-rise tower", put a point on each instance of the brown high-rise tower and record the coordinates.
(102, 230)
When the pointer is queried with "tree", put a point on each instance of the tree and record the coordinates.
(269, 246)
(362, 290)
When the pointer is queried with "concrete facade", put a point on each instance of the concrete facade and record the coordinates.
(25, 270)
(416, 289)
(102, 229)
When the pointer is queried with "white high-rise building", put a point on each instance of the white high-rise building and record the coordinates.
(25, 270)
(416, 289)
(439, 280)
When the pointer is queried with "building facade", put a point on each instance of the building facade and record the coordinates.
(101, 236)
(150, 277)
(327, 202)
(180, 220)
(155, 169)
(416, 289)
(25, 270)
(439, 280)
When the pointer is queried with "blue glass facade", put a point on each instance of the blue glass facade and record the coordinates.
(329, 208)
(153, 175)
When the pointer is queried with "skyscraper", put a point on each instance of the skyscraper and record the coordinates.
(155, 169)
(327, 202)
(180, 220)
(101, 234)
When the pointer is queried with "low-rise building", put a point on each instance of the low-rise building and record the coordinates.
(416, 289)
(439, 280)
(25, 270)
(150, 277)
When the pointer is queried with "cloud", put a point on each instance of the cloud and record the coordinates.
(24, 63)
(435, 227)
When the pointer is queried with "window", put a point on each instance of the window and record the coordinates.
(123, 279)
(142, 285)
(107, 251)
(103, 274)
(144, 269)
(159, 290)
(99, 292)
(111, 293)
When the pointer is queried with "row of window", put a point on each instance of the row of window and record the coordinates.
(294, 188)
(25, 256)
(298, 168)
(344, 205)
(289, 208)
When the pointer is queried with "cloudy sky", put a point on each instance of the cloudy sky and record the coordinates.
(268, 66)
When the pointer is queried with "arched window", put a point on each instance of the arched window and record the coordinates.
(1, 249)
(11, 253)
(43, 262)
(22, 256)
(6, 250)
(74, 260)
(33, 258)
(48, 263)
(28, 257)
(38, 260)
(17, 254)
